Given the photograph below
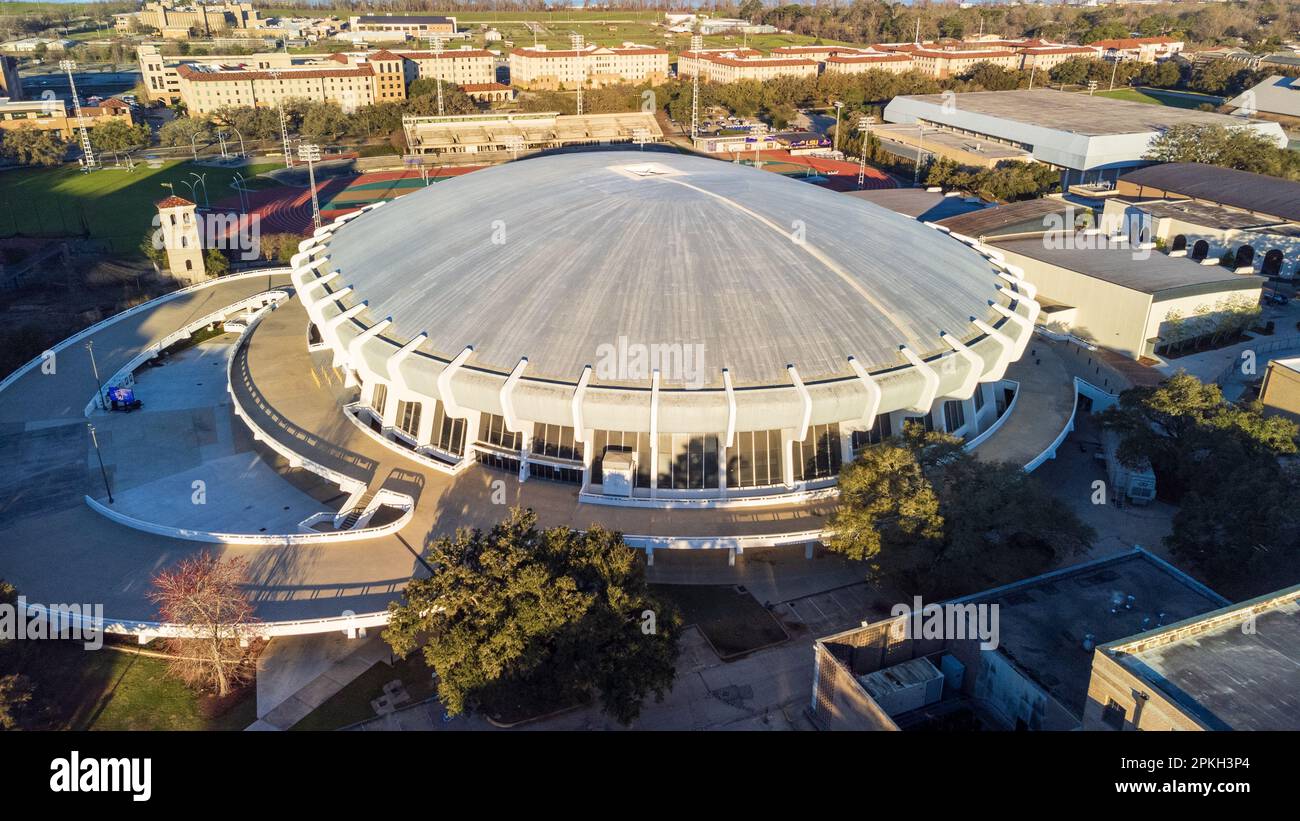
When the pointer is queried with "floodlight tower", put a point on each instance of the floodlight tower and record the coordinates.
(697, 43)
(88, 156)
(310, 154)
(864, 123)
(435, 45)
(575, 39)
(284, 122)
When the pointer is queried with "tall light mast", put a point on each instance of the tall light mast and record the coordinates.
(697, 44)
(575, 39)
(284, 123)
(88, 155)
(310, 154)
(435, 44)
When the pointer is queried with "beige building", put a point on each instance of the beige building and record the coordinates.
(178, 21)
(53, 115)
(462, 66)
(11, 85)
(1139, 49)
(1046, 58)
(592, 65)
(730, 66)
(1280, 391)
(1131, 299)
(945, 63)
(398, 27)
(205, 89)
(1231, 669)
(179, 231)
(1013, 658)
(858, 62)
(162, 80)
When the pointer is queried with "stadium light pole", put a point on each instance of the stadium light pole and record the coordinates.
(94, 368)
(697, 45)
(87, 155)
(1113, 71)
(839, 106)
(435, 44)
(102, 470)
(863, 126)
(310, 154)
(279, 109)
(575, 40)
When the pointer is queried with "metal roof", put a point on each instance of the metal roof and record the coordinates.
(553, 257)
(1116, 263)
(1259, 193)
(1013, 217)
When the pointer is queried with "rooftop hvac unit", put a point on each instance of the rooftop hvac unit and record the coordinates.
(906, 686)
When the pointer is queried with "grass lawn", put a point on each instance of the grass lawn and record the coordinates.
(114, 205)
(1156, 97)
(108, 689)
(352, 703)
(733, 622)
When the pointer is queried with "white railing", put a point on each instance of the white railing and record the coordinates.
(1050, 451)
(971, 444)
(152, 350)
(257, 539)
(809, 494)
(345, 483)
(143, 306)
(351, 412)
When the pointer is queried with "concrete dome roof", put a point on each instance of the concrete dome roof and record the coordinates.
(557, 258)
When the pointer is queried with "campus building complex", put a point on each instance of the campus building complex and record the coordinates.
(391, 27)
(542, 68)
(53, 115)
(734, 65)
(178, 21)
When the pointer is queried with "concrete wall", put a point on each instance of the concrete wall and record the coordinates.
(839, 702)
(1107, 314)
(1280, 391)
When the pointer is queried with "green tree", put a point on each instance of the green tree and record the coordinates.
(216, 263)
(1236, 147)
(15, 690)
(28, 145)
(182, 131)
(1073, 71)
(550, 616)
(422, 99)
(116, 135)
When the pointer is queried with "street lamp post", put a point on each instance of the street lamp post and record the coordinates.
(310, 154)
(201, 179)
(194, 145)
(94, 439)
(839, 106)
(94, 368)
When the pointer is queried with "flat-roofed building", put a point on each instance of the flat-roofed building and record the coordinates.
(398, 27)
(178, 21)
(1280, 390)
(1205, 212)
(53, 115)
(1231, 669)
(1036, 675)
(591, 65)
(1128, 298)
(515, 133)
(1276, 98)
(1090, 139)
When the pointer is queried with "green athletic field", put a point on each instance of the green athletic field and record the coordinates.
(111, 204)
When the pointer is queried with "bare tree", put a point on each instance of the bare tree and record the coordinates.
(202, 594)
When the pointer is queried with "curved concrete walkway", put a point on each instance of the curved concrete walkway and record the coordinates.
(57, 550)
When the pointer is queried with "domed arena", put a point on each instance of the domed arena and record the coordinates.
(656, 329)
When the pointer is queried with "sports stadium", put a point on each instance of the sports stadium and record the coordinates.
(657, 330)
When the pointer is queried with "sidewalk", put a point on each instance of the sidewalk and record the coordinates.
(299, 673)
